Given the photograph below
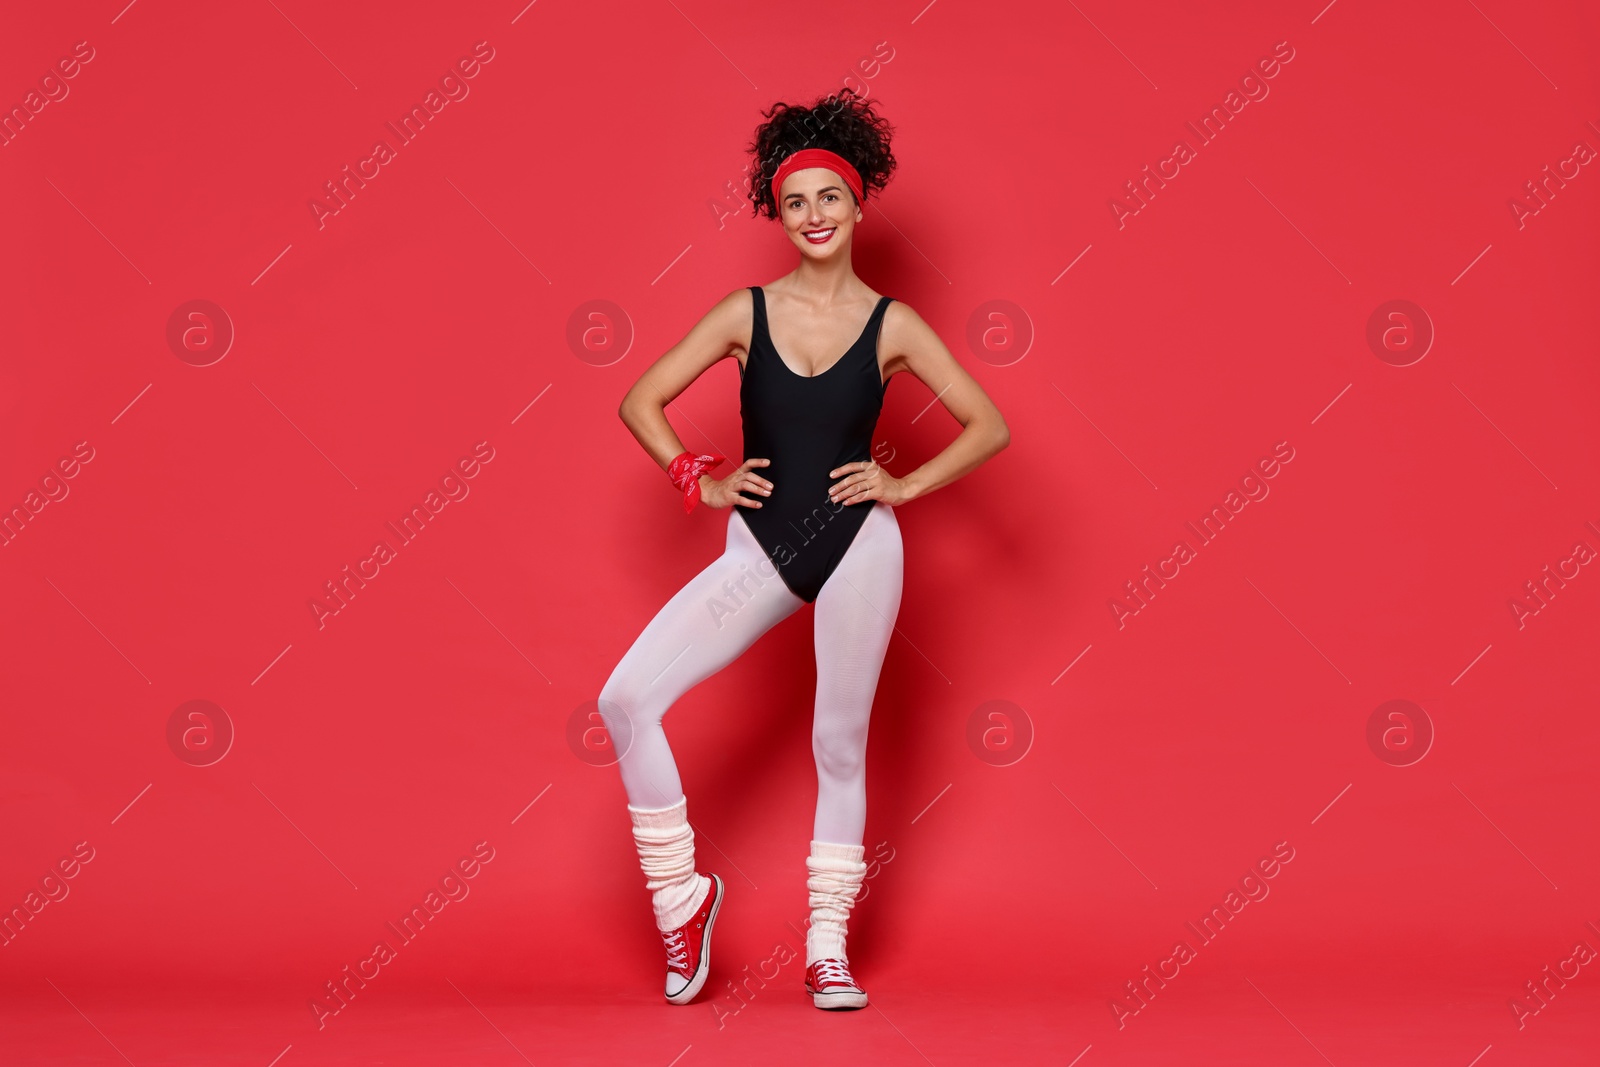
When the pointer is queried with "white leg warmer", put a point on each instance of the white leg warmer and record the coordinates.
(834, 876)
(666, 855)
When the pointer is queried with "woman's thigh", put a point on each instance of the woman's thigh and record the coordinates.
(858, 605)
(705, 626)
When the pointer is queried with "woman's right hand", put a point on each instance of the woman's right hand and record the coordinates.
(726, 492)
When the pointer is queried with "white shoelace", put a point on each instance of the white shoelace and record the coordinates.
(677, 949)
(834, 970)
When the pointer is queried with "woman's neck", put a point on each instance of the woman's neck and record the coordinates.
(824, 284)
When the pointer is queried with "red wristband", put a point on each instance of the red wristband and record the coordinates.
(685, 471)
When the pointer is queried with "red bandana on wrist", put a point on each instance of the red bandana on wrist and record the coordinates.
(685, 471)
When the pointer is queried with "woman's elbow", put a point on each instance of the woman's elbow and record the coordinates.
(1002, 436)
(628, 410)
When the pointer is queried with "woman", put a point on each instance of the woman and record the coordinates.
(812, 521)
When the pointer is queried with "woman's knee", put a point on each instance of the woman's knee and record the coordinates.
(625, 709)
(840, 754)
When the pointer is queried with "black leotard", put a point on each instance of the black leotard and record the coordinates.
(808, 426)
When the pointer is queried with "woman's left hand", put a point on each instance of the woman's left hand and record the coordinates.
(865, 480)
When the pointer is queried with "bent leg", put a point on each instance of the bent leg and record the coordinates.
(855, 614)
(702, 629)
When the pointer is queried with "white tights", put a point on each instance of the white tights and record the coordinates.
(720, 613)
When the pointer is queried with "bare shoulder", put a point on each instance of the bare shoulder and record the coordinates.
(721, 332)
(909, 343)
(732, 318)
(901, 323)
(725, 329)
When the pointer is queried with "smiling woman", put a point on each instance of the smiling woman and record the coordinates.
(820, 515)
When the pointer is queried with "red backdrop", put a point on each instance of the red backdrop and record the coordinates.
(1303, 426)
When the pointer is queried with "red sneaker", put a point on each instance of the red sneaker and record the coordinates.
(832, 988)
(689, 949)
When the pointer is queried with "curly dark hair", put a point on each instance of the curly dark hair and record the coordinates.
(841, 122)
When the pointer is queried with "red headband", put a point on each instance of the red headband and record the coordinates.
(817, 157)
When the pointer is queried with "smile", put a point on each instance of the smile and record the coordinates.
(820, 237)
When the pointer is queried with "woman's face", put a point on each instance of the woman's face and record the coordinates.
(819, 212)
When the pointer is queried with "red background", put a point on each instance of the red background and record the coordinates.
(435, 310)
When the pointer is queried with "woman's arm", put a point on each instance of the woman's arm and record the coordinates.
(720, 334)
(915, 346)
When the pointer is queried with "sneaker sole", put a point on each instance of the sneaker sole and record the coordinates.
(698, 982)
(839, 1001)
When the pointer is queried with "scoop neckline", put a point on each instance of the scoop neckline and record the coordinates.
(767, 327)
